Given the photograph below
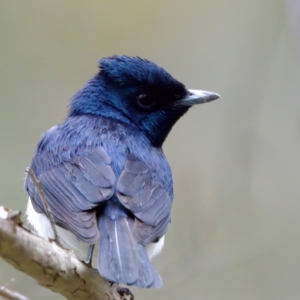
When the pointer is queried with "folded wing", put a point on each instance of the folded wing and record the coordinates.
(74, 188)
(146, 198)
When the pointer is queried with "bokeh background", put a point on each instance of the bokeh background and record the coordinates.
(235, 161)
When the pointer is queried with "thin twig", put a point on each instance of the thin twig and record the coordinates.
(11, 295)
(46, 206)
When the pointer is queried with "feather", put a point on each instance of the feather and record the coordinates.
(121, 258)
(117, 257)
(74, 188)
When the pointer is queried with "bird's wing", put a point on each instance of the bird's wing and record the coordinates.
(150, 203)
(74, 188)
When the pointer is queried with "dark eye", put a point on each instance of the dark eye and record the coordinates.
(178, 97)
(145, 101)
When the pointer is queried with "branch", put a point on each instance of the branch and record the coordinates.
(11, 295)
(53, 267)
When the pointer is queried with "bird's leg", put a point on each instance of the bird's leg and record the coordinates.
(89, 257)
(46, 206)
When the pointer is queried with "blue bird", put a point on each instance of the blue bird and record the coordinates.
(103, 171)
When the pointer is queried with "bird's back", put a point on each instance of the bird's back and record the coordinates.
(106, 184)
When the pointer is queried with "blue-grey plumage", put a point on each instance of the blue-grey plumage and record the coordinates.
(103, 171)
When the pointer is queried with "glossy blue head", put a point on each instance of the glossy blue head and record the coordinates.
(137, 92)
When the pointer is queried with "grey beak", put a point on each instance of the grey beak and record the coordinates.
(198, 97)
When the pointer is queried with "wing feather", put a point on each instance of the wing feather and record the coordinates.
(140, 193)
(74, 188)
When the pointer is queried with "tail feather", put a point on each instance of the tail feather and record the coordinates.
(121, 258)
(116, 260)
(148, 276)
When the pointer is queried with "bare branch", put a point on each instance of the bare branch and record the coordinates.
(11, 295)
(53, 267)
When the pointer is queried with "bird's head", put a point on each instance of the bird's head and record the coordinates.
(138, 92)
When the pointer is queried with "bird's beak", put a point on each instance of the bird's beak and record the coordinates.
(198, 97)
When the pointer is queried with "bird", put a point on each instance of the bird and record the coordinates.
(103, 171)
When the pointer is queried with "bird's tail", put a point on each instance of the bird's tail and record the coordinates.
(121, 258)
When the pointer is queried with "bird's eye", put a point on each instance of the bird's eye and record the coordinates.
(145, 101)
(178, 97)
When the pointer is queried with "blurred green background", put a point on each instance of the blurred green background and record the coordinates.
(236, 163)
